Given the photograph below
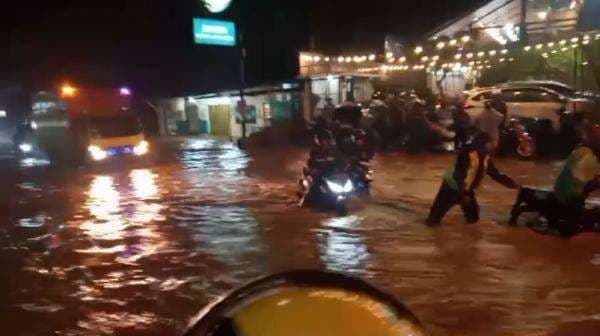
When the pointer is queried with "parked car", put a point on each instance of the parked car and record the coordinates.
(527, 102)
(558, 87)
(586, 102)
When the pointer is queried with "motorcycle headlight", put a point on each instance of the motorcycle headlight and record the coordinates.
(336, 188)
(97, 153)
(25, 147)
(141, 148)
(348, 186)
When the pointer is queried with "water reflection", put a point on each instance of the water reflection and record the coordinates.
(34, 222)
(103, 202)
(342, 245)
(125, 216)
(229, 233)
(213, 157)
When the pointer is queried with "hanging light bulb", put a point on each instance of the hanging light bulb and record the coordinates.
(550, 44)
(418, 50)
(480, 54)
(492, 52)
(452, 42)
(527, 48)
(465, 38)
(371, 57)
(539, 46)
(470, 55)
(440, 45)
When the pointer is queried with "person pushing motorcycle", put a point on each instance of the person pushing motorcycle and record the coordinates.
(464, 177)
(578, 178)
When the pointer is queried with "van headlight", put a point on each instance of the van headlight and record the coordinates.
(25, 147)
(338, 188)
(141, 148)
(97, 153)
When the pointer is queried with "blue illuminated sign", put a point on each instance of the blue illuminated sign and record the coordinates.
(214, 32)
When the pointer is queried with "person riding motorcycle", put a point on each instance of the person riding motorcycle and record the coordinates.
(464, 177)
(323, 156)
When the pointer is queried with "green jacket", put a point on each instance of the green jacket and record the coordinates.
(575, 179)
(469, 169)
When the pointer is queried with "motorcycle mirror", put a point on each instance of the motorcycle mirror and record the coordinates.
(306, 303)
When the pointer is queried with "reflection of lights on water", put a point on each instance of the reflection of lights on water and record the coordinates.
(103, 204)
(213, 156)
(341, 248)
(34, 222)
(199, 144)
(233, 159)
(229, 232)
(144, 183)
(145, 188)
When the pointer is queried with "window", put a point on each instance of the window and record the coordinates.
(529, 96)
(485, 96)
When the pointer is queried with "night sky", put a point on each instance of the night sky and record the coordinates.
(148, 43)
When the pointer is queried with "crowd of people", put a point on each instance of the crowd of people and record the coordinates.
(475, 142)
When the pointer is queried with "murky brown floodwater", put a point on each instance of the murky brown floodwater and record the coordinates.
(137, 251)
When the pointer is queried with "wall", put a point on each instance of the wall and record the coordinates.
(204, 104)
(171, 110)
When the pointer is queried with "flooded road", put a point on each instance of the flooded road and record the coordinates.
(139, 250)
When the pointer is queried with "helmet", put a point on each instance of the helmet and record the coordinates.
(323, 136)
(306, 303)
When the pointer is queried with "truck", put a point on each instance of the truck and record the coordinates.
(77, 125)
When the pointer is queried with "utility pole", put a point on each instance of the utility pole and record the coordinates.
(242, 107)
(523, 36)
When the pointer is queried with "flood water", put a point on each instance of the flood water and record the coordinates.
(138, 250)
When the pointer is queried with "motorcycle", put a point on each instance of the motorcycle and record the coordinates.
(306, 303)
(361, 175)
(332, 190)
(518, 140)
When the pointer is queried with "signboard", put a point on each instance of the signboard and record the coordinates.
(247, 113)
(214, 32)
